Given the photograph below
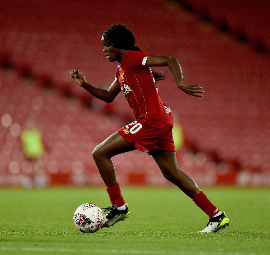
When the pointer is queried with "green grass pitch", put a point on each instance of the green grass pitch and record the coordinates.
(162, 221)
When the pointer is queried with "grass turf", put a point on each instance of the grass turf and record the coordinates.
(162, 221)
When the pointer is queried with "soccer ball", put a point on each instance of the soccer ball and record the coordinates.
(88, 218)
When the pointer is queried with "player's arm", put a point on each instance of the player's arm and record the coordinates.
(173, 64)
(106, 95)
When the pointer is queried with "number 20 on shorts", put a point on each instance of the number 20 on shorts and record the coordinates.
(134, 127)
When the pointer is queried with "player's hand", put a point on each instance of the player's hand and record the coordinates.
(191, 89)
(78, 76)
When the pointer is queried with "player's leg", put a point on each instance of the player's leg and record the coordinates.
(167, 163)
(102, 154)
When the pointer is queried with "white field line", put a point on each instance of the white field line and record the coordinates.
(114, 251)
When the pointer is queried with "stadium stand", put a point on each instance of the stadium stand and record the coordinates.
(247, 21)
(226, 132)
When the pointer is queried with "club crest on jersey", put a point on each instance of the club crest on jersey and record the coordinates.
(126, 89)
(122, 77)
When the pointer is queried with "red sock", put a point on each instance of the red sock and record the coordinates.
(114, 193)
(204, 203)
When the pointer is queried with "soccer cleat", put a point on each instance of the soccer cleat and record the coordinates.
(114, 216)
(216, 223)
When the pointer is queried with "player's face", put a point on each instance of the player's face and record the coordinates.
(111, 53)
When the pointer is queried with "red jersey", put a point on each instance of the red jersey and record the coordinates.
(140, 89)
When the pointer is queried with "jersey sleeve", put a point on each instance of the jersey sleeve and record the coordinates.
(138, 58)
(144, 61)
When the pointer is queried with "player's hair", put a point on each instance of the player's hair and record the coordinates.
(119, 36)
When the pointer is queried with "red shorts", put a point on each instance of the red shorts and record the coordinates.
(147, 137)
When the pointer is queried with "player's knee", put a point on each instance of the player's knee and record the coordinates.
(167, 174)
(170, 177)
(97, 152)
(172, 174)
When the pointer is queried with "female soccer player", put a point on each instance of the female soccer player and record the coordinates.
(151, 130)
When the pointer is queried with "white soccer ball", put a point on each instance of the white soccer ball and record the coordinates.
(88, 218)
